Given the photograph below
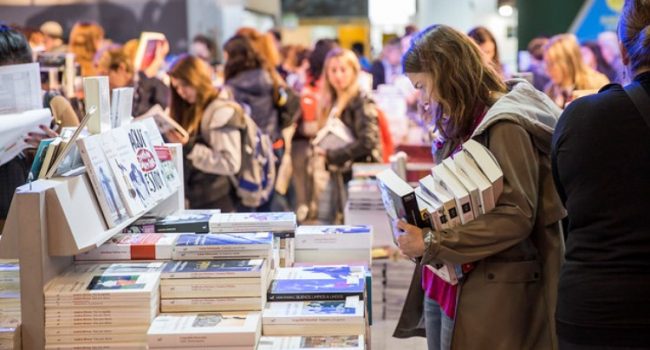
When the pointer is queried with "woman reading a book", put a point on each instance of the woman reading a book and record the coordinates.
(510, 256)
(343, 100)
(214, 150)
(601, 162)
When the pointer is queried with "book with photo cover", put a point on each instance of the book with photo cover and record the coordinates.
(129, 178)
(348, 342)
(217, 330)
(103, 180)
(165, 155)
(315, 289)
(253, 222)
(224, 241)
(147, 158)
(350, 311)
(215, 268)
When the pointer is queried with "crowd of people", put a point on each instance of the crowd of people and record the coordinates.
(558, 152)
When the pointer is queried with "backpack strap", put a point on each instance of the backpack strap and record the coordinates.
(640, 98)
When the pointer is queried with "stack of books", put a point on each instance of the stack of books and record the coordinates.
(343, 244)
(336, 282)
(107, 305)
(312, 342)
(183, 221)
(127, 246)
(214, 285)
(224, 246)
(365, 206)
(227, 330)
(9, 304)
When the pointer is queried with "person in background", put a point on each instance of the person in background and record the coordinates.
(359, 49)
(14, 49)
(343, 99)
(593, 57)
(567, 70)
(214, 151)
(388, 68)
(409, 31)
(510, 255)
(296, 63)
(205, 48)
(53, 37)
(536, 51)
(601, 152)
(609, 46)
(85, 40)
(488, 44)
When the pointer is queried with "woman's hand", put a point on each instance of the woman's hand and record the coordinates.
(174, 136)
(34, 138)
(409, 239)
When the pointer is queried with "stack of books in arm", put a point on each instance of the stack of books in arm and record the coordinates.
(227, 330)
(354, 342)
(224, 246)
(127, 246)
(315, 317)
(365, 206)
(183, 221)
(341, 244)
(458, 190)
(9, 304)
(214, 285)
(109, 305)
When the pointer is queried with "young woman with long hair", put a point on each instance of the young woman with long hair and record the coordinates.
(214, 150)
(568, 71)
(511, 255)
(488, 45)
(86, 38)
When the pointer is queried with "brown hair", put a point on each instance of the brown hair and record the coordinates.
(112, 59)
(84, 37)
(563, 50)
(462, 80)
(330, 97)
(194, 72)
(241, 57)
(264, 46)
(482, 35)
(634, 33)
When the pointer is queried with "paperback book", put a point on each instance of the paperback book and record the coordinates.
(317, 283)
(223, 245)
(165, 155)
(253, 222)
(215, 269)
(183, 221)
(352, 342)
(126, 246)
(153, 178)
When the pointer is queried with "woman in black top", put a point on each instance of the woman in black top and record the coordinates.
(601, 150)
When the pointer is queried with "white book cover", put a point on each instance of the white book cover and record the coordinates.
(128, 176)
(147, 156)
(97, 93)
(152, 133)
(146, 51)
(318, 312)
(97, 338)
(468, 184)
(260, 241)
(334, 135)
(205, 330)
(121, 106)
(208, 289)
(338, 237)
(103, 180)
(353, 342)
(487, 163)
(98, 346)
(430, 187)
(212, 304)
(468, 166)
(252, 222)
(445, 179)
(126, 246)
(20, 90)
(351, 273)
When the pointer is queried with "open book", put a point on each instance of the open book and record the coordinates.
(164, 122)
(147, 47)
(14, 129)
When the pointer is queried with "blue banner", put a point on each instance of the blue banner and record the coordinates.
(597, 16)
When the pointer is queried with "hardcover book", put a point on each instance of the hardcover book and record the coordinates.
(103, 180)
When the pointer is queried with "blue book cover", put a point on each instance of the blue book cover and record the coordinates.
(213, 266)
(39, 157)
(9, 267)
(335, 229)
(328, 289)
(261, 240)
(336, 272)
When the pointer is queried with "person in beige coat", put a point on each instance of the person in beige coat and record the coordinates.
(507, 300)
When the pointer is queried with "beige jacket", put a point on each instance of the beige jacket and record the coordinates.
(508, 300)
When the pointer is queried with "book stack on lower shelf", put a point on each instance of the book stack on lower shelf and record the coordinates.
(9, 304)
(109, 305)
(335, 244)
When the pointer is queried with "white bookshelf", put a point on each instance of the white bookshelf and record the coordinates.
(49, 222)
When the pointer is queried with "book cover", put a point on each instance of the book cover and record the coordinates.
(103, 180)
(97, 94)
(352, 342)
(206, 330)
(252, 222)
(121, 106)
(153, 178)
(338, 237)
(315, 289)
(188, 220)
(433, 189)
(334, 135)
(126, 246)
(487, 164)
(467, 183)
(214, 268)
(162, 123)
(224, 241)
(467, 165)
(128, 177)
(346, 311)
(39, 157)
(445, 179)
(146, 51)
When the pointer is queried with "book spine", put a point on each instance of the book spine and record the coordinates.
(92, 174)
(413, 214)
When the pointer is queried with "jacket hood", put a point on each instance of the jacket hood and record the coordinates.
(528, 107)
(252, 82)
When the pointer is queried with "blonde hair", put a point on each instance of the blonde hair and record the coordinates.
(84, 38)
(196, 73)
(331, 98)
(563, 51)
(463, 80)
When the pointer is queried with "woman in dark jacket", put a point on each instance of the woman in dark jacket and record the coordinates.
(601, 148)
